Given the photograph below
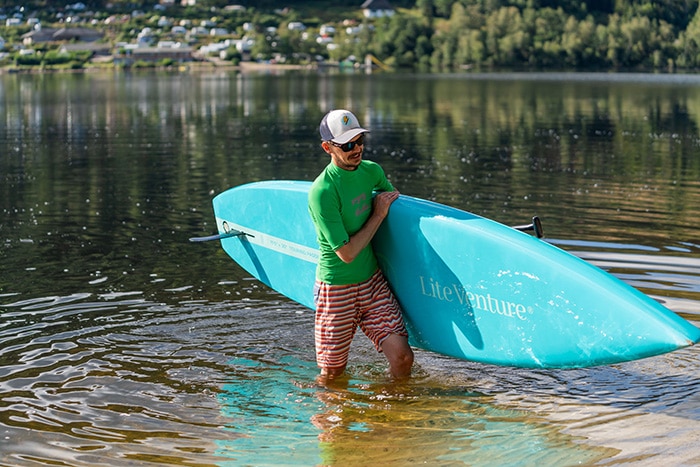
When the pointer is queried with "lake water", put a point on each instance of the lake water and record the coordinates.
(121, 343)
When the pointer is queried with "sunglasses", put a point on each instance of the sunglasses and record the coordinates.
(349, 146)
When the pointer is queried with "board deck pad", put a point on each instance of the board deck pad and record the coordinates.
(470, 287)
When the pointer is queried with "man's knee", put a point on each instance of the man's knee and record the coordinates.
(399, 354)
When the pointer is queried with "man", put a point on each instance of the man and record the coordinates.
(350, 290)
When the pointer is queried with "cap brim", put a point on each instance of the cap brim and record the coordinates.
(348, 135)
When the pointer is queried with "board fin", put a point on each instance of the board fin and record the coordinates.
(536, 226)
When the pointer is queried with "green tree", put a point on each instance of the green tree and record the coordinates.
(425, 7)
(442, 8)
(398, 38)
(507, 41)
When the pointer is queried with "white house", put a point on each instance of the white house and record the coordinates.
(244, 45)
(199, 31)
(377, 9)
(327, 30)
(214, 48)
(296, 26)
(218, 32)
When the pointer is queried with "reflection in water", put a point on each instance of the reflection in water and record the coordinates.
(133, 375)
(121, 342)
(276, 414)
(154, 380)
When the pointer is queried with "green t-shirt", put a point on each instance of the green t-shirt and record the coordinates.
(340, 202)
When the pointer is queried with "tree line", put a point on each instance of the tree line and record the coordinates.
(449, 34)
(442, 35)
(445, 35)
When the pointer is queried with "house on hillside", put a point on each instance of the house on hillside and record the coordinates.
(377, 9)
(61, 35)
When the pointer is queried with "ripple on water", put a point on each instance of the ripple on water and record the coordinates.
(90, 374)
(118, 375)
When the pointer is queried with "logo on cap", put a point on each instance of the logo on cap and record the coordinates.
(346, 119)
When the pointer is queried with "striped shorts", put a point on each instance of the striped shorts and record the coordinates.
(340, 309)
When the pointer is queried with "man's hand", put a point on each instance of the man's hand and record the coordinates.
(380, 209)
(382, 201)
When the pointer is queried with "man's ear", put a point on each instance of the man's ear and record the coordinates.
(326, 147)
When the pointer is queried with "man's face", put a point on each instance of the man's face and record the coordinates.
(346, 156)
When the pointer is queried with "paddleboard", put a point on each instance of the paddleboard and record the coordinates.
(470, 287)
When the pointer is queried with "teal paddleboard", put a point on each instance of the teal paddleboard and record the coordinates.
(470, 288)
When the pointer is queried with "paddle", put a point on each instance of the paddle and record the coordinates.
(233, 233)
(536, 226)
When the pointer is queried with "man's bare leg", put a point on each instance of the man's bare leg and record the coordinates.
(399, 354)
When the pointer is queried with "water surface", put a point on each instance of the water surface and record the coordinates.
(123, 343)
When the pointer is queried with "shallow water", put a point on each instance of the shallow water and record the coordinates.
(121, 343)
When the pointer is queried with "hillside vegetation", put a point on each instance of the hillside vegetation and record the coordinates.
(444, 35)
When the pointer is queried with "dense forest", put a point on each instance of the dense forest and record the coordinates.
(457, 34)
(602, 34)
(532, 34)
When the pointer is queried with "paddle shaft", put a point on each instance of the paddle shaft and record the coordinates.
(536, 226)
(233, 233)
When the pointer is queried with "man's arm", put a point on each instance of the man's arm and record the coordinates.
(380, 209)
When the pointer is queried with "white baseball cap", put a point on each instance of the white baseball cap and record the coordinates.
(340, 126)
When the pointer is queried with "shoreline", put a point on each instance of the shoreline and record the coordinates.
(186, 66)
(106, 65)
